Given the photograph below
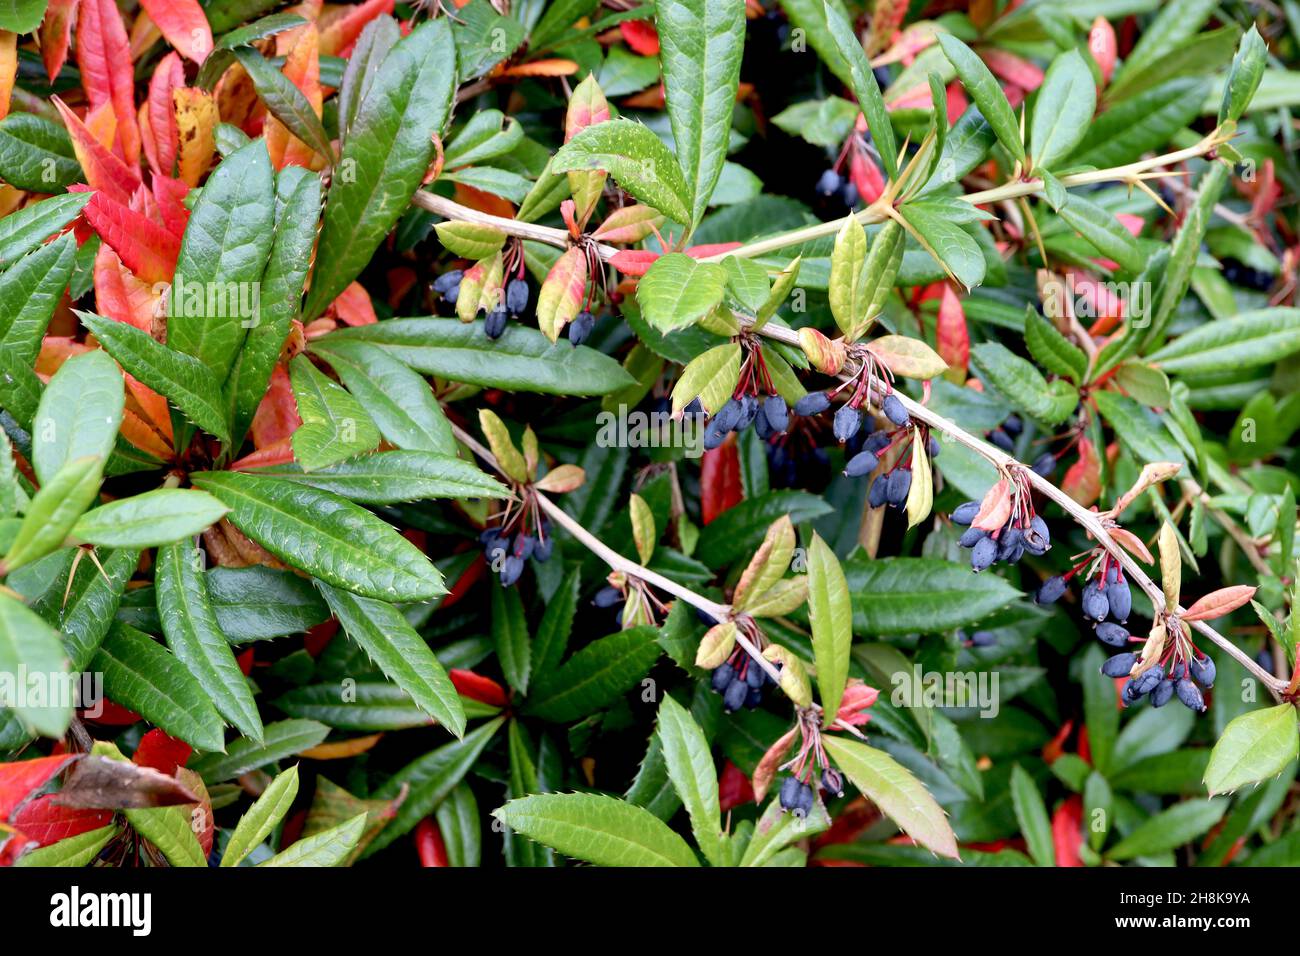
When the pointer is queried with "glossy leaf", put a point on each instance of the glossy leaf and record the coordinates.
(598, 829)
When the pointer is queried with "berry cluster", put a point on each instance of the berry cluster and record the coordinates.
(798, 797)
(1245, 276)
(1023, 532)
(754, 402)
(740, 681)
(506, 551)
(512, 305)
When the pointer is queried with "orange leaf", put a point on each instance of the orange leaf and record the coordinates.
(633, 262)
(183, 24)
(354, 307)
(1220, 602)
(152, 405)
(196, 124)
(553, 67)
(8, 68)
(278, 453)
(1132, 544)
(121, 296)
(484, 202)
(144, 34)
(341, 749)
(107, 73)
(995, 509)
(56, 34)
(138, 433)
(104, 171)
(337, 38)
(147, 249)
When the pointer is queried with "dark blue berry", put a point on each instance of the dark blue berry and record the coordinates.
(983, 639)
(814, 403)
(847, 422)
(879, 493)
(448, 281)
(1162, 694)
(494, 325)
(728, 415)
(900, 483)
(1190, 695)
(1119, 665)
(777, 412)
(511, 568)
(965, 513)
(733, 698)
(1121, 600)
(1203, 671)
(1112, 634)
(607, 597)
(1044, 465)
(829, 183)
(1051, 590)
(971, 537)
(1094, 602)
(833, 782)
(542, 551)
(1013, 426)
(516, 296)
(863, 463)
(983, 554)
(894, 410)
(722, 675)
(580, 328)
(789, 793)
(1002, 440)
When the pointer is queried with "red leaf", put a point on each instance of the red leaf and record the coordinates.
(477, 687)
(641, 36)
(104, 171)
(1082, 480)
(112, 715)
(19, 779)
(720, 486)
(277, 453)
(161, 752)
(1012, 68)
(277, 414)
(56, 33)
(183, 24)
(1220, 602)
(712, 249)
(119, 295)
(734, 789)
(472, 575)
(429, 845)
(1067, 831)
(866, 176)
(107, 73)
(952, 336)
(163, 141)
(633, 262)
(1102, 46)
(44, 821)
(169, 194)
(147, 249)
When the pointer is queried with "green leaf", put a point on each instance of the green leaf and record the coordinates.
(1143, 123)
(194, 636)
(1051, 349)
(636, 158)
(22, 16)
(257, 602)
(1104, 232)
(223, 254)
(830, 615)
(171, 831)
(1064, 107)
(328, 848)
(1244, 76)
(327, 536)
(399, 400)
(54, 510)
(297, 204)
(738, 531)
(79, 414)
(30, 646)
(986, 91)
(183, 380)
(701, 42)
(262, 817)
(150, 519)
(283, 739)
(1254, 746)
(864, 86)
(80, 850)
(946, 241)
(597, 828)
(1247, 339)
(429, 779)
(389, 477)
(1180, 824)
(710, 377)
(390, 641)
(695, 778)
(285, 101)
(596, 676)
(510, 636)
(223, 52)
(522, 360)
(26, 229)
(487, 134)
(1031, 814)
(36, 154)
(142, 676)
(1177, 21)
(470, 240)
(92, 602)
(679, 291)
(1023, 385)
(898, 794)
(1138, 428)
(30, 290)
(907, 595)
(388, 150)
(554, 630)
(376, 40)
(848, 286)
(335, 426)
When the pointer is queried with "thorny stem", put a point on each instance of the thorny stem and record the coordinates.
(1089, 520)
(719, 612)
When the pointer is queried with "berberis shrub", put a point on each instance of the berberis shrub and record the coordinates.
(727, 432)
